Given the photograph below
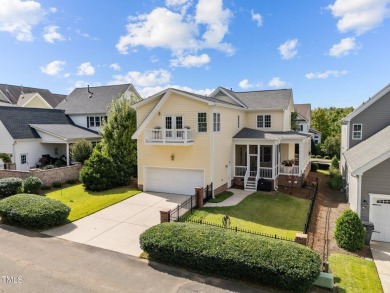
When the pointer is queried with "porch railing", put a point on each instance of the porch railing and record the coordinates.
(289, 170)
(265, 172)
(246, 177)
(240, 170)
(169, 136)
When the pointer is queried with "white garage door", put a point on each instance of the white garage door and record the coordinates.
(380, 216)
(178, 181)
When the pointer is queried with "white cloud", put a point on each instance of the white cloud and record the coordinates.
(181, 5)
(149, 91)
(154, 59)
(245, 84)
(179, 32)
(288, 49)
(359, 16)
(50, 34)
(277, 82)
(325, 74)
(19, 17)
(148, 78)
(86, 69)
(85, 35)
(115, 66)
(190, 61)
(66, 75)
(256, 17)
(343, 48)
(53, 68)
(53, 10)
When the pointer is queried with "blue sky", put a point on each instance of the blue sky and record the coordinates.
(331, 53)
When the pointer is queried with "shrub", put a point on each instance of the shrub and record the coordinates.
(71, 181)
(335, 163)
(81, 151)
(59, 163)
(314, 167)
(323, 166)
(45, 187)
(57, 184)
(327, 158)
(222, 252)
(98, 172)
(5, 157)
(47, 167)
(10, 186)
(31, 185)
(312, 156)
(349, 232)
(319, 157)
(33, 211)
(335, 179)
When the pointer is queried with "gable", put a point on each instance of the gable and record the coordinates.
(3, 98)
(221, 96)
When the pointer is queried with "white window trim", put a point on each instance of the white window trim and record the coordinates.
(197, 123)
(21, 161)
(238, 121)
(361, 131)
(174, 116)
(214, 122)
(264, 121)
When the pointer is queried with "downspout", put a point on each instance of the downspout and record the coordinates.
(359, 194)
(212, 149)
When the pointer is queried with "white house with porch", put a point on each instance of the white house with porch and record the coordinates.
(186, 140)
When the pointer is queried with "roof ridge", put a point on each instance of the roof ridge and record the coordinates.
(107, 85)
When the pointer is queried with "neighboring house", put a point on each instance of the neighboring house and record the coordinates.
(29, 133)
(88, 106)
(28, 97)
(187, 140)
(365, 161)
(304, 121)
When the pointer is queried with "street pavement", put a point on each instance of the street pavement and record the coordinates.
(34, 262)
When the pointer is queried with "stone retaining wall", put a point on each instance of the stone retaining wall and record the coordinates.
(47, 176)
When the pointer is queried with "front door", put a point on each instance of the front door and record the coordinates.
(252, 165)
(171, 124)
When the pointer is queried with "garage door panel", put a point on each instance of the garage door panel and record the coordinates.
(177, 181)
(380, 217)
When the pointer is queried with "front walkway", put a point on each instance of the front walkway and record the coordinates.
(381, 255)
(237, 197)
(118, 227)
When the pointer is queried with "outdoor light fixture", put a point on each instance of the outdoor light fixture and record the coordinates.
(364, 204)
(172, 157)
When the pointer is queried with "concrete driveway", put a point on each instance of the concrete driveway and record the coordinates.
(381, 254)
(118, 227)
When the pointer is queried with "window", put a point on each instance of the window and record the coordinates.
(301, 127)
(263, 121)
(202, 122)
(23, 159)
(94, 143)
(217, 122)
(95, 121)
(238, 121)
(357, 131)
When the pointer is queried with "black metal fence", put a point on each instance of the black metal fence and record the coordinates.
(183, 209)
(236, 229)
(207, 192)
(312, 204)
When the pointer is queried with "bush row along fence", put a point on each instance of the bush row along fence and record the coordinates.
(311, 208)
(181, 213)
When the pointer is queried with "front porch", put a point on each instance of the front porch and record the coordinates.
(269, 161)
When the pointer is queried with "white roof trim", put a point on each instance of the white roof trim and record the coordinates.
(40, 97)
(226, 93)
(5, 96)
(371, 164)
(371, 101)
(47, 132)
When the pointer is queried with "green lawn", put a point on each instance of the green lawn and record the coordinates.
(354, 274)
(84, 203)
(271, 213)
(221, 197)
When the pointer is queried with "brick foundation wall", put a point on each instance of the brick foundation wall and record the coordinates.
(220, 189)
(284, 180)
(238, 182)
(47, 176)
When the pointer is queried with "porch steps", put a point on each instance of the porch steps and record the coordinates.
(251, 184)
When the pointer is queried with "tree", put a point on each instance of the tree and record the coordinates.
(320, 122)
(81, 151)
(294, 123)
(331, 146)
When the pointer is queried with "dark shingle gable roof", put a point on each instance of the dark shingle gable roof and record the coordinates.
(17, 120)
(304, 110)
(258, 134)
(13, 92)
(78, 101)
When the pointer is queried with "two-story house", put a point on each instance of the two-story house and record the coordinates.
(88, 106)
(304, 121)
(28, 97)
(186, 140)
(365, 161)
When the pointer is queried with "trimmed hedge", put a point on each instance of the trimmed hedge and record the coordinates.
(10, 186)
(33, 211)
(31, 185)
(314, 167)
(229, 254)
(349, 232)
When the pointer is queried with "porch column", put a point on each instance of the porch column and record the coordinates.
(247, 158)
(258, 158)
(301, 150)
(67, 154)
(273, 160)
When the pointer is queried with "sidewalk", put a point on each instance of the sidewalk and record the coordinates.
(237, 197)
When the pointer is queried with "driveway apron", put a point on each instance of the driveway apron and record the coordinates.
(118, 227)
(381, 254)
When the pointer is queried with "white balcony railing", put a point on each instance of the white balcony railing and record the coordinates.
(265, 172)
(169, 136)
(240, 170)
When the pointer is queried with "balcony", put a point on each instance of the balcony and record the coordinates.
(169, 136)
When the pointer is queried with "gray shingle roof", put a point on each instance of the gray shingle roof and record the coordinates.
(304, 110)
(368, 150)
(13, 92)
(17, 120)
(258, 134)
(65, 131)
(205, 97)
(272, 99)
(78, 101)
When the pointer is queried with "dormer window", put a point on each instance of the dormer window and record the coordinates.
(263, 121)
(357, 130)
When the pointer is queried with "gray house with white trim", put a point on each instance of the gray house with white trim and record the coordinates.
(365, 161)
